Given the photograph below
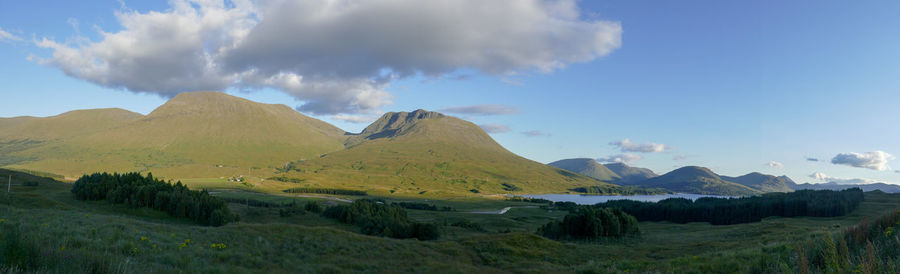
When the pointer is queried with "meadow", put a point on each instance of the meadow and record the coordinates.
(45, 229)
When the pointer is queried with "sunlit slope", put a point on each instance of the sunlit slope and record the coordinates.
(22, 133)
(421, 152)
(193, 134)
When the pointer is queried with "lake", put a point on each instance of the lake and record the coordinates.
(593, 199)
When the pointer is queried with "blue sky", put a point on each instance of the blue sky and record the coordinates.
(729, 85)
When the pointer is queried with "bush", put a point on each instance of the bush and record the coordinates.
(30, 183)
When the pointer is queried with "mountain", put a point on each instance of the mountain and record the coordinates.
(23, 133)
(889, 188)
(629, 175)
(193, 134)
(763, 182)
(587, 167)
(424, 152)
(697, 180)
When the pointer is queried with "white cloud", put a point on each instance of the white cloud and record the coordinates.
(337, 56)
(6, 36)
(494, 128)
(625, 145)
(482, 110)
(876, 160)
(535, 133)
(679, 157)
(844, 181)
(356, 119)
(775, 165)
(621, 158)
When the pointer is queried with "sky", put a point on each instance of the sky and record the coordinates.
(807, 89)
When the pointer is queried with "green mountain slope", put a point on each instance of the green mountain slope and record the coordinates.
(629, 175)
(194, 134)
(697, 180)
(587, 167)
(421, 152)
(763, 182)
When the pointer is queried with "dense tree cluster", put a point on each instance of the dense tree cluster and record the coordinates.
(592, 223)
(423, 206)
(618, 190)
(380, 219)
(287, 179)
(332, 191)
(135, 190)
(726, 211)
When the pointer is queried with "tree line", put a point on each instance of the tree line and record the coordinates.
(332, 191)
(726, 211)
(381, 219)
(135, 190)
(586, 223)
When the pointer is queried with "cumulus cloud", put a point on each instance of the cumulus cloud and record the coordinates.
(356, 119)
(774, 164)
(536, 133)
(621, 158)
(482, 110)
(337, 56)
(494, 128)
(812, 159)
(844, 181)
(6, 36)
(626, 145)
(876, 160)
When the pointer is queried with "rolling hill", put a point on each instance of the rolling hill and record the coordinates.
(587, 167)
(697, 180)
(629, 175)
(194, 134)
(423, 152)
(763, 182)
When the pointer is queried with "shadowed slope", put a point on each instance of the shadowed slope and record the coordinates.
(629, 174)
(763, 182)
(697, 180)
(587, 167)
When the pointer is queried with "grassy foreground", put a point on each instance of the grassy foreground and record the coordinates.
(44, 229)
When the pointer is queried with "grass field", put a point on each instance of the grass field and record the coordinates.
(65, 235)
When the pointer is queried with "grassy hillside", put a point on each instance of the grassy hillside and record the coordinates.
(198, 134)
(587, 167)
(697, 180)
(49, 231)
(427, 153)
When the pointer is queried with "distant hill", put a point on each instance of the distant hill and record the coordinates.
(587, 167)
(423, 152)
(889, 188)
(190, 135)
(763, 182)
(629, 175)
(697, 180)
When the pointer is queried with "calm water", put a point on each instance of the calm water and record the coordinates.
(593, 199)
